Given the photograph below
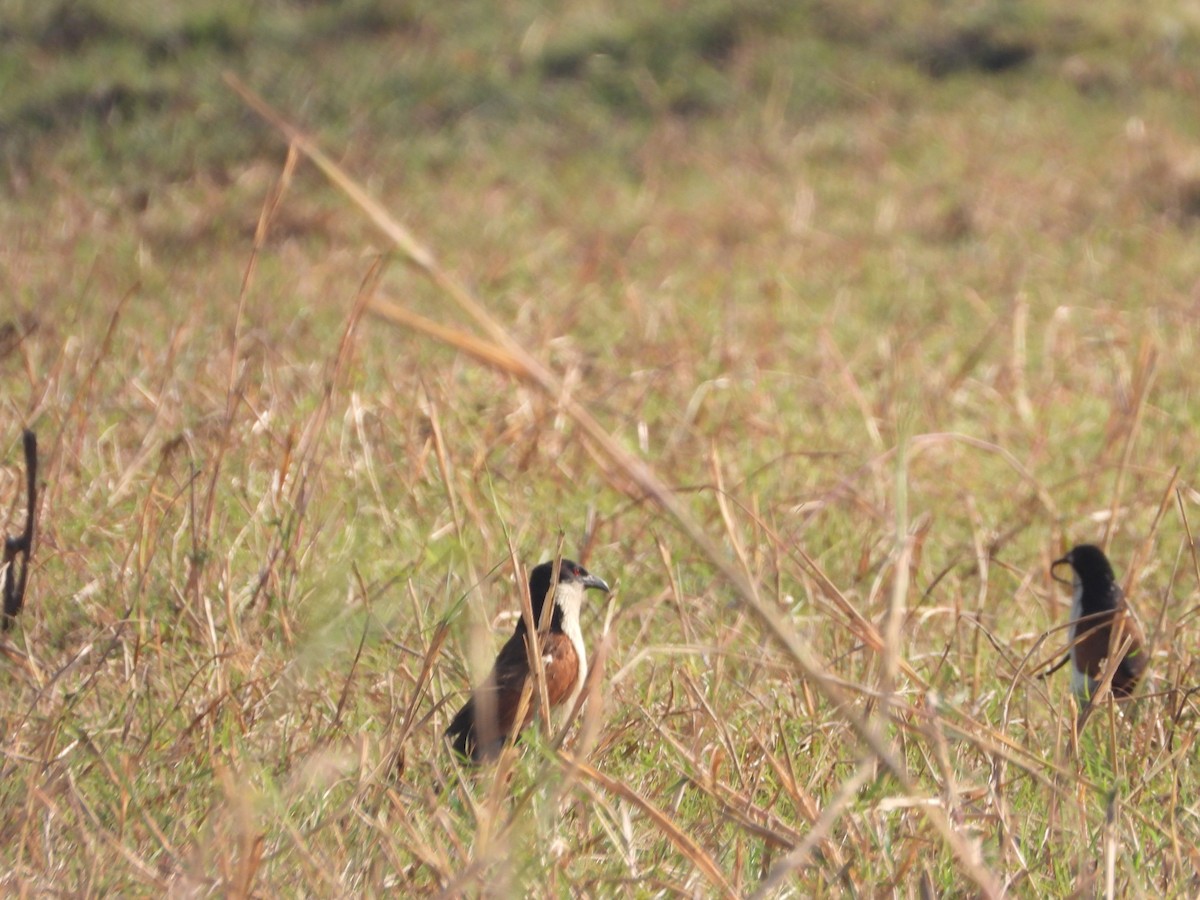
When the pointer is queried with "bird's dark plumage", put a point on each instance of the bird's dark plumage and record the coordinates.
(1097, 609)
(482, 726)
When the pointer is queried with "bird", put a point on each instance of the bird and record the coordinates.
(1095, 606)
(488, 719)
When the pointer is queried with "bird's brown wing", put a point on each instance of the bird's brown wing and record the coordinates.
(1129, 672)
(488, 718)
(1091, 647)
(1094, 646)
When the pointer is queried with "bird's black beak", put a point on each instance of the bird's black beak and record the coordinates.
(1054, 565)
(597, 583)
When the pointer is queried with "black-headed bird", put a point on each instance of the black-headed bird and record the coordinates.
(481, 728)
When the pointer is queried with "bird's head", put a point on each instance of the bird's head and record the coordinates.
(573, 581)
(1088, 565)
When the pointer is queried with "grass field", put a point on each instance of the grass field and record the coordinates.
(817, 329)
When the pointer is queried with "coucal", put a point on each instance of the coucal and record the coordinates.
(1097, 605)
(488, 719)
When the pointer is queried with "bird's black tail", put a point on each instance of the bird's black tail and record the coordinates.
(462, 731)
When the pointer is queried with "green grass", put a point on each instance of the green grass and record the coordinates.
(768, 248)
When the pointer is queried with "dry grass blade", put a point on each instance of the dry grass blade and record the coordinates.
(82, 397)
(1039, 489)
(1122, 642)
(202, 527)
(1187, 530)
(689, 848)
(422, 684)
(1147, 366)
(481, 350)
(798, 856)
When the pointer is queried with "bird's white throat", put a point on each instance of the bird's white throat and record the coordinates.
(569, 598)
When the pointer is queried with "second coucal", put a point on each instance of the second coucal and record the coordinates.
(1098, 604)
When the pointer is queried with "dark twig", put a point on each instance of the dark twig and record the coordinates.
(14, 584)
